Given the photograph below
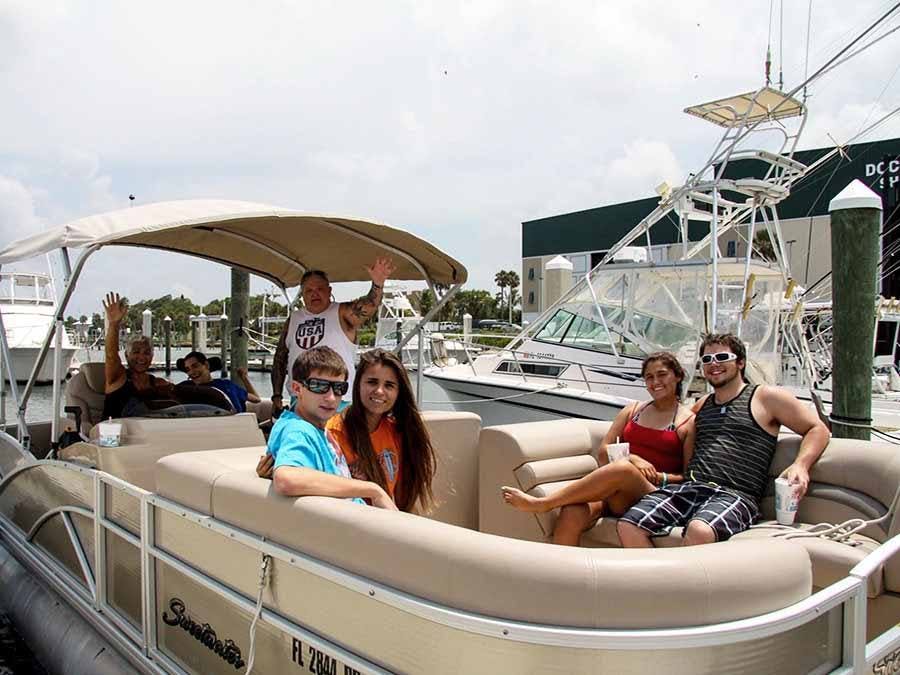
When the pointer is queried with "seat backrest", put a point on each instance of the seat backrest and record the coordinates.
(852, 479)
(454, 437)
(85, 390)
(528, 455)
(145, 440)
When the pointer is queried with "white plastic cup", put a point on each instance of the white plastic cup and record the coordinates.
(110, 434)
(786, 501)
(618, 451)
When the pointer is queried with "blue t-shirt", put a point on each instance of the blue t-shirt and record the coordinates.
(296, 442)
(237, 395)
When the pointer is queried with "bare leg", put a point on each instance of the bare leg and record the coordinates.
(633, 536)
(573, 520)
(698, 532)
(598, 485)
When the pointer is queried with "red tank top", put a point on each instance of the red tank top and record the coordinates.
(661, 447)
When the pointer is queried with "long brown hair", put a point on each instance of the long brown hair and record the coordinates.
(417, 457)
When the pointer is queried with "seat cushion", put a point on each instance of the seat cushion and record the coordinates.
(831, 561)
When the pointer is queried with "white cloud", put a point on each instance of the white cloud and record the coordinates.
(18, 217)
(456, 120)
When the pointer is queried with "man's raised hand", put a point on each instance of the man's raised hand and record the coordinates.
(381, 271)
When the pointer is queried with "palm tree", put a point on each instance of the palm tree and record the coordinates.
(512, 281)
(500, 278)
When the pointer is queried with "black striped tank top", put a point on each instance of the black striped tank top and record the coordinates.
(731, 449)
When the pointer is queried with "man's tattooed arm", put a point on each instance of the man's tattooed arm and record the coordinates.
(357, 312)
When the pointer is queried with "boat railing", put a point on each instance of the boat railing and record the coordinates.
(847, 596)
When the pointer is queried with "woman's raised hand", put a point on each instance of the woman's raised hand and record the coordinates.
(115, 307)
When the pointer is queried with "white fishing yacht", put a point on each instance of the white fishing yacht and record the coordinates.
(581, 357)
(27, 301)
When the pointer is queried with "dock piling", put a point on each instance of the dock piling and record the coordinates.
(237, 331)
(167, 331)
(855, 251)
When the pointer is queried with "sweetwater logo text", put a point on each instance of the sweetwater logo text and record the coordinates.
(889, 665)
(310, 333)
(888, 169)
(228, 651)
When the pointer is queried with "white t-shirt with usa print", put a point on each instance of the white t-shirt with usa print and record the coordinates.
(307, 330)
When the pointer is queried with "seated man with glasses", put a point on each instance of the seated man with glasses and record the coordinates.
(737, 427)
(307, 462)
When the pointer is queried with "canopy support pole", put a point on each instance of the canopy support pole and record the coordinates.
(24, 439)
(428, 316)
(57, 358)
(45, 347)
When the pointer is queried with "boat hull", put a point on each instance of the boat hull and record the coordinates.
(23, 359)
(514, 401)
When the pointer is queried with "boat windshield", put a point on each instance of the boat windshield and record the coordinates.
(633, 310)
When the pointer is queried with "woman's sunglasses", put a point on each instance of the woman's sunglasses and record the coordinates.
(319, 386)
(719, 357)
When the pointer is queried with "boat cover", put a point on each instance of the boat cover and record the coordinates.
(272, 242)
(754, 106)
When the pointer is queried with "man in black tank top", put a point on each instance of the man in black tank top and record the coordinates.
(736, 431)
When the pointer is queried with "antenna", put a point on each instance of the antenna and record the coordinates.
(806, 62)
(781, 48)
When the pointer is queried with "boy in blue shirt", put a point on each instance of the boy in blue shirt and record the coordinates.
(306, 461)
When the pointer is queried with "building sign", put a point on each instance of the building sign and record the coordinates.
(888, 169)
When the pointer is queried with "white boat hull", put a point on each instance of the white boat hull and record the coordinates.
(23, 359)
(515, 400)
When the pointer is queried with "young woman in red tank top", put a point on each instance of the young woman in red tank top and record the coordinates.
(661, 435)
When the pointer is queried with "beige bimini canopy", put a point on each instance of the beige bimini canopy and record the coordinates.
(734, 111)
(271, 242)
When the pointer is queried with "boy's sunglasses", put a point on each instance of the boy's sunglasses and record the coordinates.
(319, 386)
(719, 357)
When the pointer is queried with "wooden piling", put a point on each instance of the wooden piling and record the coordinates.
(237, 320)
(855, 251)
(167, 331)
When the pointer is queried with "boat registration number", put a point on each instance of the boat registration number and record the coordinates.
(318, 661)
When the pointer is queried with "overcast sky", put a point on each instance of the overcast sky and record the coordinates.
(456, 121)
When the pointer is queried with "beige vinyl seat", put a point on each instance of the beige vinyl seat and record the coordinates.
(145, 440)
(852, 479)
(472, 571)
(85, 390)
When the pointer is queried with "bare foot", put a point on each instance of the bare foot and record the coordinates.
(523, 502)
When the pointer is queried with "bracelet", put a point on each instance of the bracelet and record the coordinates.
(665, 480)
(375, 285)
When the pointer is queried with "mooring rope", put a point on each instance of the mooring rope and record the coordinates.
(263, 578)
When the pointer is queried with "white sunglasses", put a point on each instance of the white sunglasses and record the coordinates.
(719, 357)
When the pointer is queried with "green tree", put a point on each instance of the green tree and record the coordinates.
(501, 279)
(480, 304)
(512, 282)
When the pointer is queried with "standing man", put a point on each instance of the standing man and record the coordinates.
(323, 323)
(736, 430)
